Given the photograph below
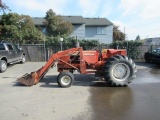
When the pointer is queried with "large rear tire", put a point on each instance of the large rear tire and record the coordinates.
(119, 71)
(65, 79)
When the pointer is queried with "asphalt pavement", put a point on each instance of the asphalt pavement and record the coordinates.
(86, 99)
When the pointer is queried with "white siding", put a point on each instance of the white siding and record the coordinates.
(79, 30)
(91, 33)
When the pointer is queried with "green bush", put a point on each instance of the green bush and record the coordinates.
(132, 47)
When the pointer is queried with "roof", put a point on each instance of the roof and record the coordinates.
(97, 21)
(78, 20)
(74, 19)
(154, 41)
(38, 20)
(71, 19)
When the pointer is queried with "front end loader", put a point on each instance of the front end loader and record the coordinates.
(112, 65)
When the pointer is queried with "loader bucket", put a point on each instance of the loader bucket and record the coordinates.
(29, 79)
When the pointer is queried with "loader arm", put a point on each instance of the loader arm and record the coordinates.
(34, 77)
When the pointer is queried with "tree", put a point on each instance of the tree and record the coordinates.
(19, 29)
(117, 34)
(55, 24)
(138, 37)
(3, 7)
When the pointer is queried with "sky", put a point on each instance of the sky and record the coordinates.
(134, 17)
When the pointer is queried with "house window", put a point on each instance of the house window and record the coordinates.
(101, 30)
(44, 30)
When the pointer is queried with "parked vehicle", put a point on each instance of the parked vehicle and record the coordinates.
(152, 56)
(111, 65)
(10, 54)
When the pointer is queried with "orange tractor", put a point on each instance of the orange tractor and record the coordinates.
(110, 64)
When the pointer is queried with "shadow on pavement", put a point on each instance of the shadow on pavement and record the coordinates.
(50, 81)
(80, 80)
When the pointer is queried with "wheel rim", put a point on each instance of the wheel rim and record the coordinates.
(121, 72)
(4, 66)
(23, 59)
(65, 80)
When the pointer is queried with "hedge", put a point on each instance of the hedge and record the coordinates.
(132, 47)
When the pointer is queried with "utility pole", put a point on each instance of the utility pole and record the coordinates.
(77, 42)
(44, 49)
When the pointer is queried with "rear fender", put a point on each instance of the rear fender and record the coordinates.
(108, 53)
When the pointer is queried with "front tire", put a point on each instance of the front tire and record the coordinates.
(65, 79)
(147, 60)
(23, 59)
(3, 66)
(119, 71)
